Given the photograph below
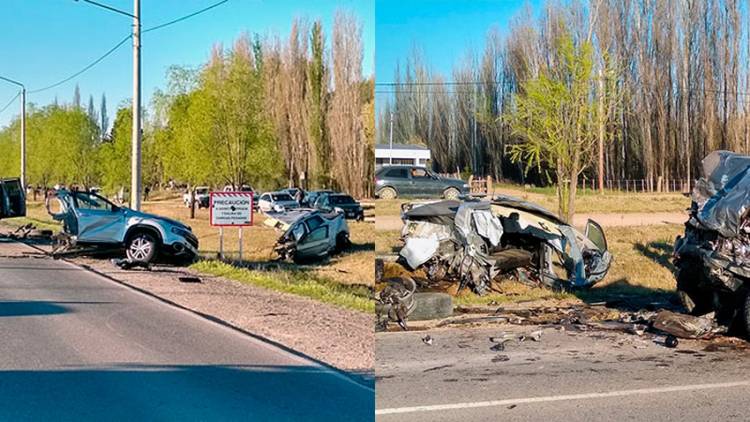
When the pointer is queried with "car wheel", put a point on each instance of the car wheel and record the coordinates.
(451, 193)
(387, 193)
(342, 241)
(360, 217)
(141, 247)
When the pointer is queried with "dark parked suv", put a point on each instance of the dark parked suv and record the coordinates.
(415, 181)
(348, 205)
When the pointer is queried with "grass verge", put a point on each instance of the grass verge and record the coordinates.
(301, 283)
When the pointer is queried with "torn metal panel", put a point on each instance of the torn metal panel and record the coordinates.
(309, 234)
(713, 256)
(473, 242)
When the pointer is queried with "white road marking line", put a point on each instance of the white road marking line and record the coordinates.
(507, 402)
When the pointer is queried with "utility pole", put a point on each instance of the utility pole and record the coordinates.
(135, 168)
(135, 159)
(390, 150)
(23, 129)
(23, 140)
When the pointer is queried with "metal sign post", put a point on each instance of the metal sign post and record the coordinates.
(230, 209)
(221, 243)
(240, 243)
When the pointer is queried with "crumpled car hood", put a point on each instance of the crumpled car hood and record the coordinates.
(723, 193)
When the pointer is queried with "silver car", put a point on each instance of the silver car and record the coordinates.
(276, 201)
(92, 220)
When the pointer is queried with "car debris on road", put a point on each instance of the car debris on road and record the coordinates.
(713, 256)
(473, 242)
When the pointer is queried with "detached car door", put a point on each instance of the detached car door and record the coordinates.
(598, 264)
(12, 198)
(99, 220)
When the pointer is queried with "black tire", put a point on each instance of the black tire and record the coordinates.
(360, 217)
(451, 193)
(141, 246)
(342, 241)
(431, 305)
(388, 193)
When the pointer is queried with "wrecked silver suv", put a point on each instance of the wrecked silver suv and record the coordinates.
(713, 256)
(90, 220)
(474, 242)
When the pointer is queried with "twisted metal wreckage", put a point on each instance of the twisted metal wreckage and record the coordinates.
(473, 243)
(713, 256)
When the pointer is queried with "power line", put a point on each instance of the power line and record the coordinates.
(123, 41)
(89, 66)
(9, 103)
(205, 9)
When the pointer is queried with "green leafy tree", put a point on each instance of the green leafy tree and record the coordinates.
(554, 118)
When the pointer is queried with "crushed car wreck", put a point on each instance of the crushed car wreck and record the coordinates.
(90, 222)
(473, 242)
(308, 234)
(713, 256)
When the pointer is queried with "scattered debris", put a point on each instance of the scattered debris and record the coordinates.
(671, 341)
(686, 326)
(427, 340)
(127, 264)
(500, 358)
(395, 302)
(189, 279)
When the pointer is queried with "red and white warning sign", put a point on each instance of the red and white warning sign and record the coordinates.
(231, 209)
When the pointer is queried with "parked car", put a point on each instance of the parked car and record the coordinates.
(201, 197)
(243, 188)
(276, 201)
(91, 220)
(12, 198)
(414, 181)
(340, 202)
(312, 196)
(309, 234)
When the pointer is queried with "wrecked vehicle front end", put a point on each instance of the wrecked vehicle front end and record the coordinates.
(713, 256)
(308, 234)
(474, 242)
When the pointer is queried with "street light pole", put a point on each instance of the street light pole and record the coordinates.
(23, 139)
(23, 129)
(135, 159)
(135, 169)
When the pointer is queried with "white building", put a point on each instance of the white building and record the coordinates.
(402, 154)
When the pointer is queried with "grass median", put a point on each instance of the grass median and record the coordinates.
(302, 283)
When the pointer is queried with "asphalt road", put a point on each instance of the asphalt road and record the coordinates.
(565, 376)
(75, 346)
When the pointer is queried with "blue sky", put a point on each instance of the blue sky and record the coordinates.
(442, 29)
(44, 41)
